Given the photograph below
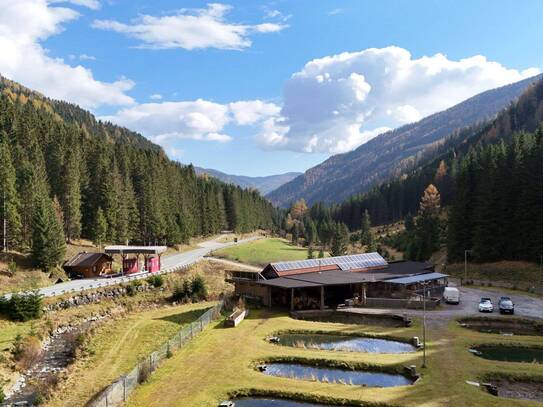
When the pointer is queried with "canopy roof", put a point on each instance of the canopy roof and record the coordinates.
(85, 259)
(417, 279)
(135, 249)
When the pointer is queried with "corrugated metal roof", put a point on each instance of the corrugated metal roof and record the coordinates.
(417, 279)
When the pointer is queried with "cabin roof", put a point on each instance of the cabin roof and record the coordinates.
(85, 259)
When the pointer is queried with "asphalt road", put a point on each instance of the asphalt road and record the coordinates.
(170, 264)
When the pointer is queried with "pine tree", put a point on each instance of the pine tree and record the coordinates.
(9, 199)
(366, 237)
(427, 229)
(310, 254)
(71, 195)
(340, 240)
(48, 242)
(100, 228)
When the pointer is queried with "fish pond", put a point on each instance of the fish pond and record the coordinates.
(334, 375)
(511, 353)
(502, 326)
(270, 402)
(344, 343)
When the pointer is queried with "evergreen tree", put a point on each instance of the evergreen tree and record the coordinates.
(48, 243)
(9, 199)
(366, 237)
(100, 228)
(71, 195)
(310, 254)
(340, 240)
(427, 229)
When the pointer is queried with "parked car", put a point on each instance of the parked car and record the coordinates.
(451, 295)
(485, 305)
(506, 306)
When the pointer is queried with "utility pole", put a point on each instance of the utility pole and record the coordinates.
(466, 265)
(5, 225)
(541, 271)
(424, 325)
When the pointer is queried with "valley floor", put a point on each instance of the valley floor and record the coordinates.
(221, 361)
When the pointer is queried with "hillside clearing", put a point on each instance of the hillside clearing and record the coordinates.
(261, 252)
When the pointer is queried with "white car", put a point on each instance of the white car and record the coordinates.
(485, 305)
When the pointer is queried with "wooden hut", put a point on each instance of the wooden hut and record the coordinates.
(88, 265)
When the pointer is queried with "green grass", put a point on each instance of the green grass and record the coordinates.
(263, 251)
(118, 345)
(519, 274)
(221, 362)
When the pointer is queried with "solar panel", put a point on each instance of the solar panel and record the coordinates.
(348, 262)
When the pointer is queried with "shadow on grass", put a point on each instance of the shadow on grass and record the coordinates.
(184, 317)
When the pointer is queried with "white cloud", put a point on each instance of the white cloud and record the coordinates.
(202, 120)
(339, 102)
(92, 4)
(156, 96)
(190, 29)
(85, 57)
(23, 25)
(252, 111)
(335, 12)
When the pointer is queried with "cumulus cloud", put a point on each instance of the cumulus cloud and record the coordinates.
(202, 120)
(190, 29)
(23, 25)
(156, 96)
(336, 103)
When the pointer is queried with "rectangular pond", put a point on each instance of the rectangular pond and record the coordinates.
(333, 375)
(511, 354)
(344, 343)
(270, 402)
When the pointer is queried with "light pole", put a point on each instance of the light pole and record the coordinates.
(466, 265)
(424, 324)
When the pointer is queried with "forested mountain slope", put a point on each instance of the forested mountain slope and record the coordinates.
(471, 169)
(393, 153)
(263, 184)
(63, 172)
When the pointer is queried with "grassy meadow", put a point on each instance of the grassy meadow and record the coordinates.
(117, 346)
(261, 252)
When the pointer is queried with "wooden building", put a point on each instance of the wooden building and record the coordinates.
(329, 282)
(87, 265)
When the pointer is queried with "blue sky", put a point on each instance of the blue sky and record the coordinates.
(294, 113)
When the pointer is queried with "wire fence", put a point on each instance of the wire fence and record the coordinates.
(119, 391)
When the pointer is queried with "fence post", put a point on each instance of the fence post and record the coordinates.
(124, 388)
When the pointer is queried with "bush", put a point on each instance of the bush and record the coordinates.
(2, 396)
(195, 290)
(156, 281)
(198, 288)
(22, 307)
(26, 351)
(132, 287)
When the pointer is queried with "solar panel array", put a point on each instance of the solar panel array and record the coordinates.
(349, 262)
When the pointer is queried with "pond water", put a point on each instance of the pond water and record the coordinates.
(511, 354)
(345, 343)
(504, 326)
(268, 402)
(332, 375)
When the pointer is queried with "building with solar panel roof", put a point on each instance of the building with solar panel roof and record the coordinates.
(333, 281)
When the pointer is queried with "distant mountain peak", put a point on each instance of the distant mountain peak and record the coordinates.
(263, 184)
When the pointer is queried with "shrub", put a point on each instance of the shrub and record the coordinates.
(198, 288)
(144, 372)
(26, 351)
(179, 292)
(2, 396)
(22, 307)
(156, 281)
(132, 287)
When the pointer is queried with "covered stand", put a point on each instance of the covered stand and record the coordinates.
(151, 257)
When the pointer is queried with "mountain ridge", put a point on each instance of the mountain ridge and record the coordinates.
(263, 184)
(395, 152)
